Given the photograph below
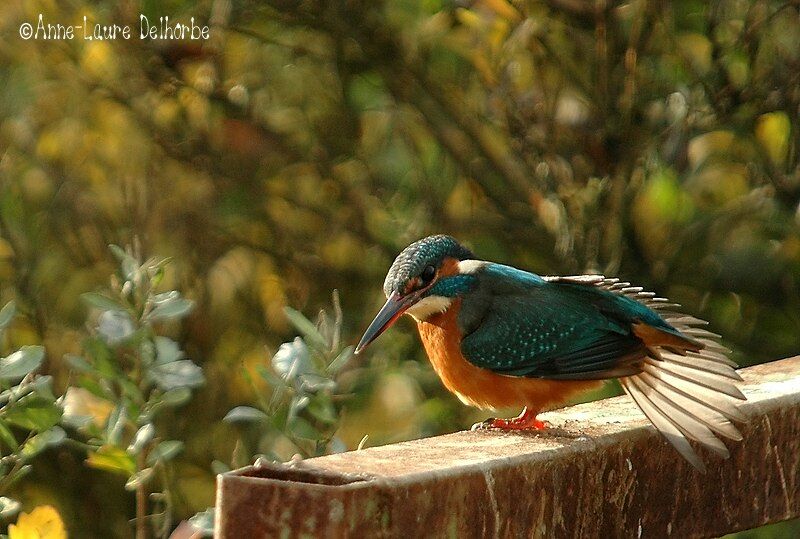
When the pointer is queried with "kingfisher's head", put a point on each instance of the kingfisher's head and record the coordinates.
(422, 281)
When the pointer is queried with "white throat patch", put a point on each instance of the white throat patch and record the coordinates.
(427, 307)
(471, 266)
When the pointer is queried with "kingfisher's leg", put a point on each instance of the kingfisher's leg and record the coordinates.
(526, 420)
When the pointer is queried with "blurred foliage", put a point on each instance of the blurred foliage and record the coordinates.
(127, 376)
(302, 146)
(29, 414)
(302, 412)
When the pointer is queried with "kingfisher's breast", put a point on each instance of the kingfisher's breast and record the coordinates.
(481, 387)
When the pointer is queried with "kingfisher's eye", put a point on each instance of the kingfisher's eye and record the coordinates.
(427, 275)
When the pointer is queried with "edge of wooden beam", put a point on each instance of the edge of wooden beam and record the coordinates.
(603, 470)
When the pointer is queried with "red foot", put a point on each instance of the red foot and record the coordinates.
(526, 420)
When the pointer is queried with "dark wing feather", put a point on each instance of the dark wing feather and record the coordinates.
(687, 390)
(542, 329)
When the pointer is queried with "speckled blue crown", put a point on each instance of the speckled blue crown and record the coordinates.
(410, 262)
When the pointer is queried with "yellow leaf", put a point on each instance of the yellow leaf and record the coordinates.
(43, 522)
(504, 9)
(468, 18)
(697, 49)
(772, 132)
(112, 459)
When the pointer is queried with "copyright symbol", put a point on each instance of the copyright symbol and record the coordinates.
(25, 30)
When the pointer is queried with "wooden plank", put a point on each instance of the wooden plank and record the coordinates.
(602, 472)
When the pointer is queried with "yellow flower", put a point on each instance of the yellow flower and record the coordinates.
(43, 522)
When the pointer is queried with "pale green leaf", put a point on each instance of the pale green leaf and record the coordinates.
(171, 309)
(8, 508)
(142, 437)
(176, 397)
(177, 374)
(164, 451)
(23, 361)
(7, 314)
(244, 414)
(99, 301)
(115, 326)
(167, 350)
(341, 360)
(33, 413)
(8, 437)
(140, 478)
(301, 428)
(204, 522)
(292, 360)
(307, 329)
(43, 440)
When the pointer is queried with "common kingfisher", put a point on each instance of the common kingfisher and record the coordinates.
(501, 337)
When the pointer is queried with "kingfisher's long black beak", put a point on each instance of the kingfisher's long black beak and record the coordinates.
(393, 309)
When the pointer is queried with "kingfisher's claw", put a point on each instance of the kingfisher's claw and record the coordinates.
(484, 425)
(525, 421)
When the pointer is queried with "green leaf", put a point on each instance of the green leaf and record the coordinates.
(142, 477)
(43, 440)
(115, 425)
(33, 413)
(323, 410)
(43, 386)
(112, 459)
(164, 451)
(301, 428)
(267, 375)
(99, 355)
(167, 350)
(7, 314)
(171, 309)
(312, 382)
(176, 397)
(204, 522)
(244, 414)
(166, 296)
(128, 264)
(23, 361)
(115, 326)
(22, 472)
(8, 436)
(181, 373)
(78, 363)
(309, 330)
(8, 507)
(143, 437)
(99, 301)
(219, 467)
(292, 360)
(341, 360)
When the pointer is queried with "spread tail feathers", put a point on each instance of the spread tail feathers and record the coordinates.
(686, 387)
(685, 384)
(689, 394)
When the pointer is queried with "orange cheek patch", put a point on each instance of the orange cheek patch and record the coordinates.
(449, 267)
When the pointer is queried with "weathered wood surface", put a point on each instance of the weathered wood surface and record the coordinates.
(604, 473)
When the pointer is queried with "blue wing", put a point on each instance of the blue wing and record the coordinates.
(518, 324)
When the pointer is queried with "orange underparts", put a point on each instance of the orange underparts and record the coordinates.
(483, 388)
